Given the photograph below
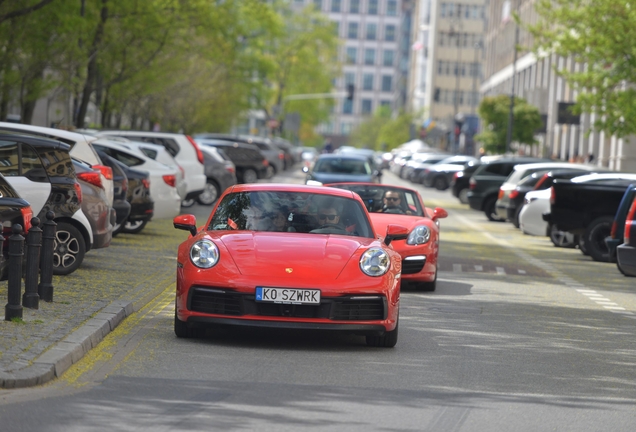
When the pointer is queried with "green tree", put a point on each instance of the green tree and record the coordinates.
(599, 35)
(367, 133)
(494, 113)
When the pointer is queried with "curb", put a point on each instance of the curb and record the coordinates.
(61, 356)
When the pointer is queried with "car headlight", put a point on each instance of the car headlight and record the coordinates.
(374, 262)
(204, 254)
(420, 235)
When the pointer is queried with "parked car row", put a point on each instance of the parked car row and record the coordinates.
(576, 205)
(102, 183)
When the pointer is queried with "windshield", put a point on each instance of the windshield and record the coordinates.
(342, 166)
(387, 199)
(291, 212)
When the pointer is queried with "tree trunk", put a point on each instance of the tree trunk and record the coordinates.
(91, 69)
(7, 63)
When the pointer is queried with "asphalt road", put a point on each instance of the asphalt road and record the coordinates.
(519, 336)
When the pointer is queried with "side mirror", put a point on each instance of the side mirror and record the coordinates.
(395, 232)
(439, 213)
(186, 222)
(305, 169)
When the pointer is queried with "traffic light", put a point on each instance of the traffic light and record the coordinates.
(350, 91)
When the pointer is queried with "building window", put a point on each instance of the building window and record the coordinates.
(367, 82)
(318, 4)
(345, 128)
(369, 56)
(373, 7)
(335, 5)
(352, 30)
(354, 6)
(387, 83)
(336, 27)
(389, 33)
(385, 103)
(388, 58)
(391, 8)
(367, 106)
(372, 30)
(350, 78)
(347, 107)
(352, 55)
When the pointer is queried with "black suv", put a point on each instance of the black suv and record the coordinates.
(485, 182)
(250, 163)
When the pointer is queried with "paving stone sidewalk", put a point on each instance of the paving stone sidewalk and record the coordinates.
(111, 284)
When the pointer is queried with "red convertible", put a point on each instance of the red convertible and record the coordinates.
(286, 256)
(397, 205)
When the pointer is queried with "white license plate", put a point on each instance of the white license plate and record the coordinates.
(288, 295)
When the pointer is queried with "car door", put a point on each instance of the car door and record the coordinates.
(23, 169)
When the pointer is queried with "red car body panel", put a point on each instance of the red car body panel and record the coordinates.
(250, 259)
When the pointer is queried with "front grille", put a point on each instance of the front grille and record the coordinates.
(410, 266)
(215, 302)
(220, 301)
(359, 309)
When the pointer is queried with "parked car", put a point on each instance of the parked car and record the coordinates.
(485, 182)
(251, 165)
(419, 162)
(440, 175)
(13, 210)
(95, 204)
(399, 161)
(120, 183)
(220, 172)
(521, 180)
(419, 251)
(586, 206)
(184, 150)
(460, 184)
(245, 268)
(617, 231)
(167, 202)
(42, 172)
(141, 203)
(341, 167)
(292, 152)
(626, 252)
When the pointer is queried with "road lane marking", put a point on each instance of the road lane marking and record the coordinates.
(557, 274)
(479, 268)
(500, 270)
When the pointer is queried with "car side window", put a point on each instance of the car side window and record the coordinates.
(9, 165)
(32, 165)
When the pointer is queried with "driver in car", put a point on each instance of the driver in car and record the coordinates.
(393, 203)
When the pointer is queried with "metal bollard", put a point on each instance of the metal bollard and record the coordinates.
(45, 288)
(13, 309)
(31, 298)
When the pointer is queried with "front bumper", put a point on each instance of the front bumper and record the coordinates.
(626, 257)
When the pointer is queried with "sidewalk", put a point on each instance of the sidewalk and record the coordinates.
(111, 284)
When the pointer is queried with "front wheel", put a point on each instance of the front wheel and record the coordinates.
(387, 340)
(463, 195)
(561, 238)
(69, 249)
(440, 183)
(490, 211)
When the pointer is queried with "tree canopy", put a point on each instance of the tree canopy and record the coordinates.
(494, 112)
(599, 35)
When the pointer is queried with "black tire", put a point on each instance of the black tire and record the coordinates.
(580, 241)
(427, 286)
(515, 219)
(188, 202)
(595, 235)
(210, 194)
(181, 329)
(463, 195)
(440, 183)
(561, 238)
(134, 227)
(249, 176)
(117, 229)
(69, 249)
(489, 209)
(387, 340)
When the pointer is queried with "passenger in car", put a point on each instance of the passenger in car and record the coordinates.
(393, 203)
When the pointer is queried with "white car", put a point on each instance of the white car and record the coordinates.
(531, 219)
(162, 177)
(80, 149)
(185, 151)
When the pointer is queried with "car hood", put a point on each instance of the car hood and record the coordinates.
(324, 256)
(380, 221)
(341, 178)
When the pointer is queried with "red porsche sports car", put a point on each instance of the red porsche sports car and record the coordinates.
(286, 256)
(402, 206)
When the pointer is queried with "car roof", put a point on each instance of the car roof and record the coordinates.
(51, 133)
(554, 164)
(34, 139)
(506, 159)
(281, 187)
(604, 176)
(345, 155)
